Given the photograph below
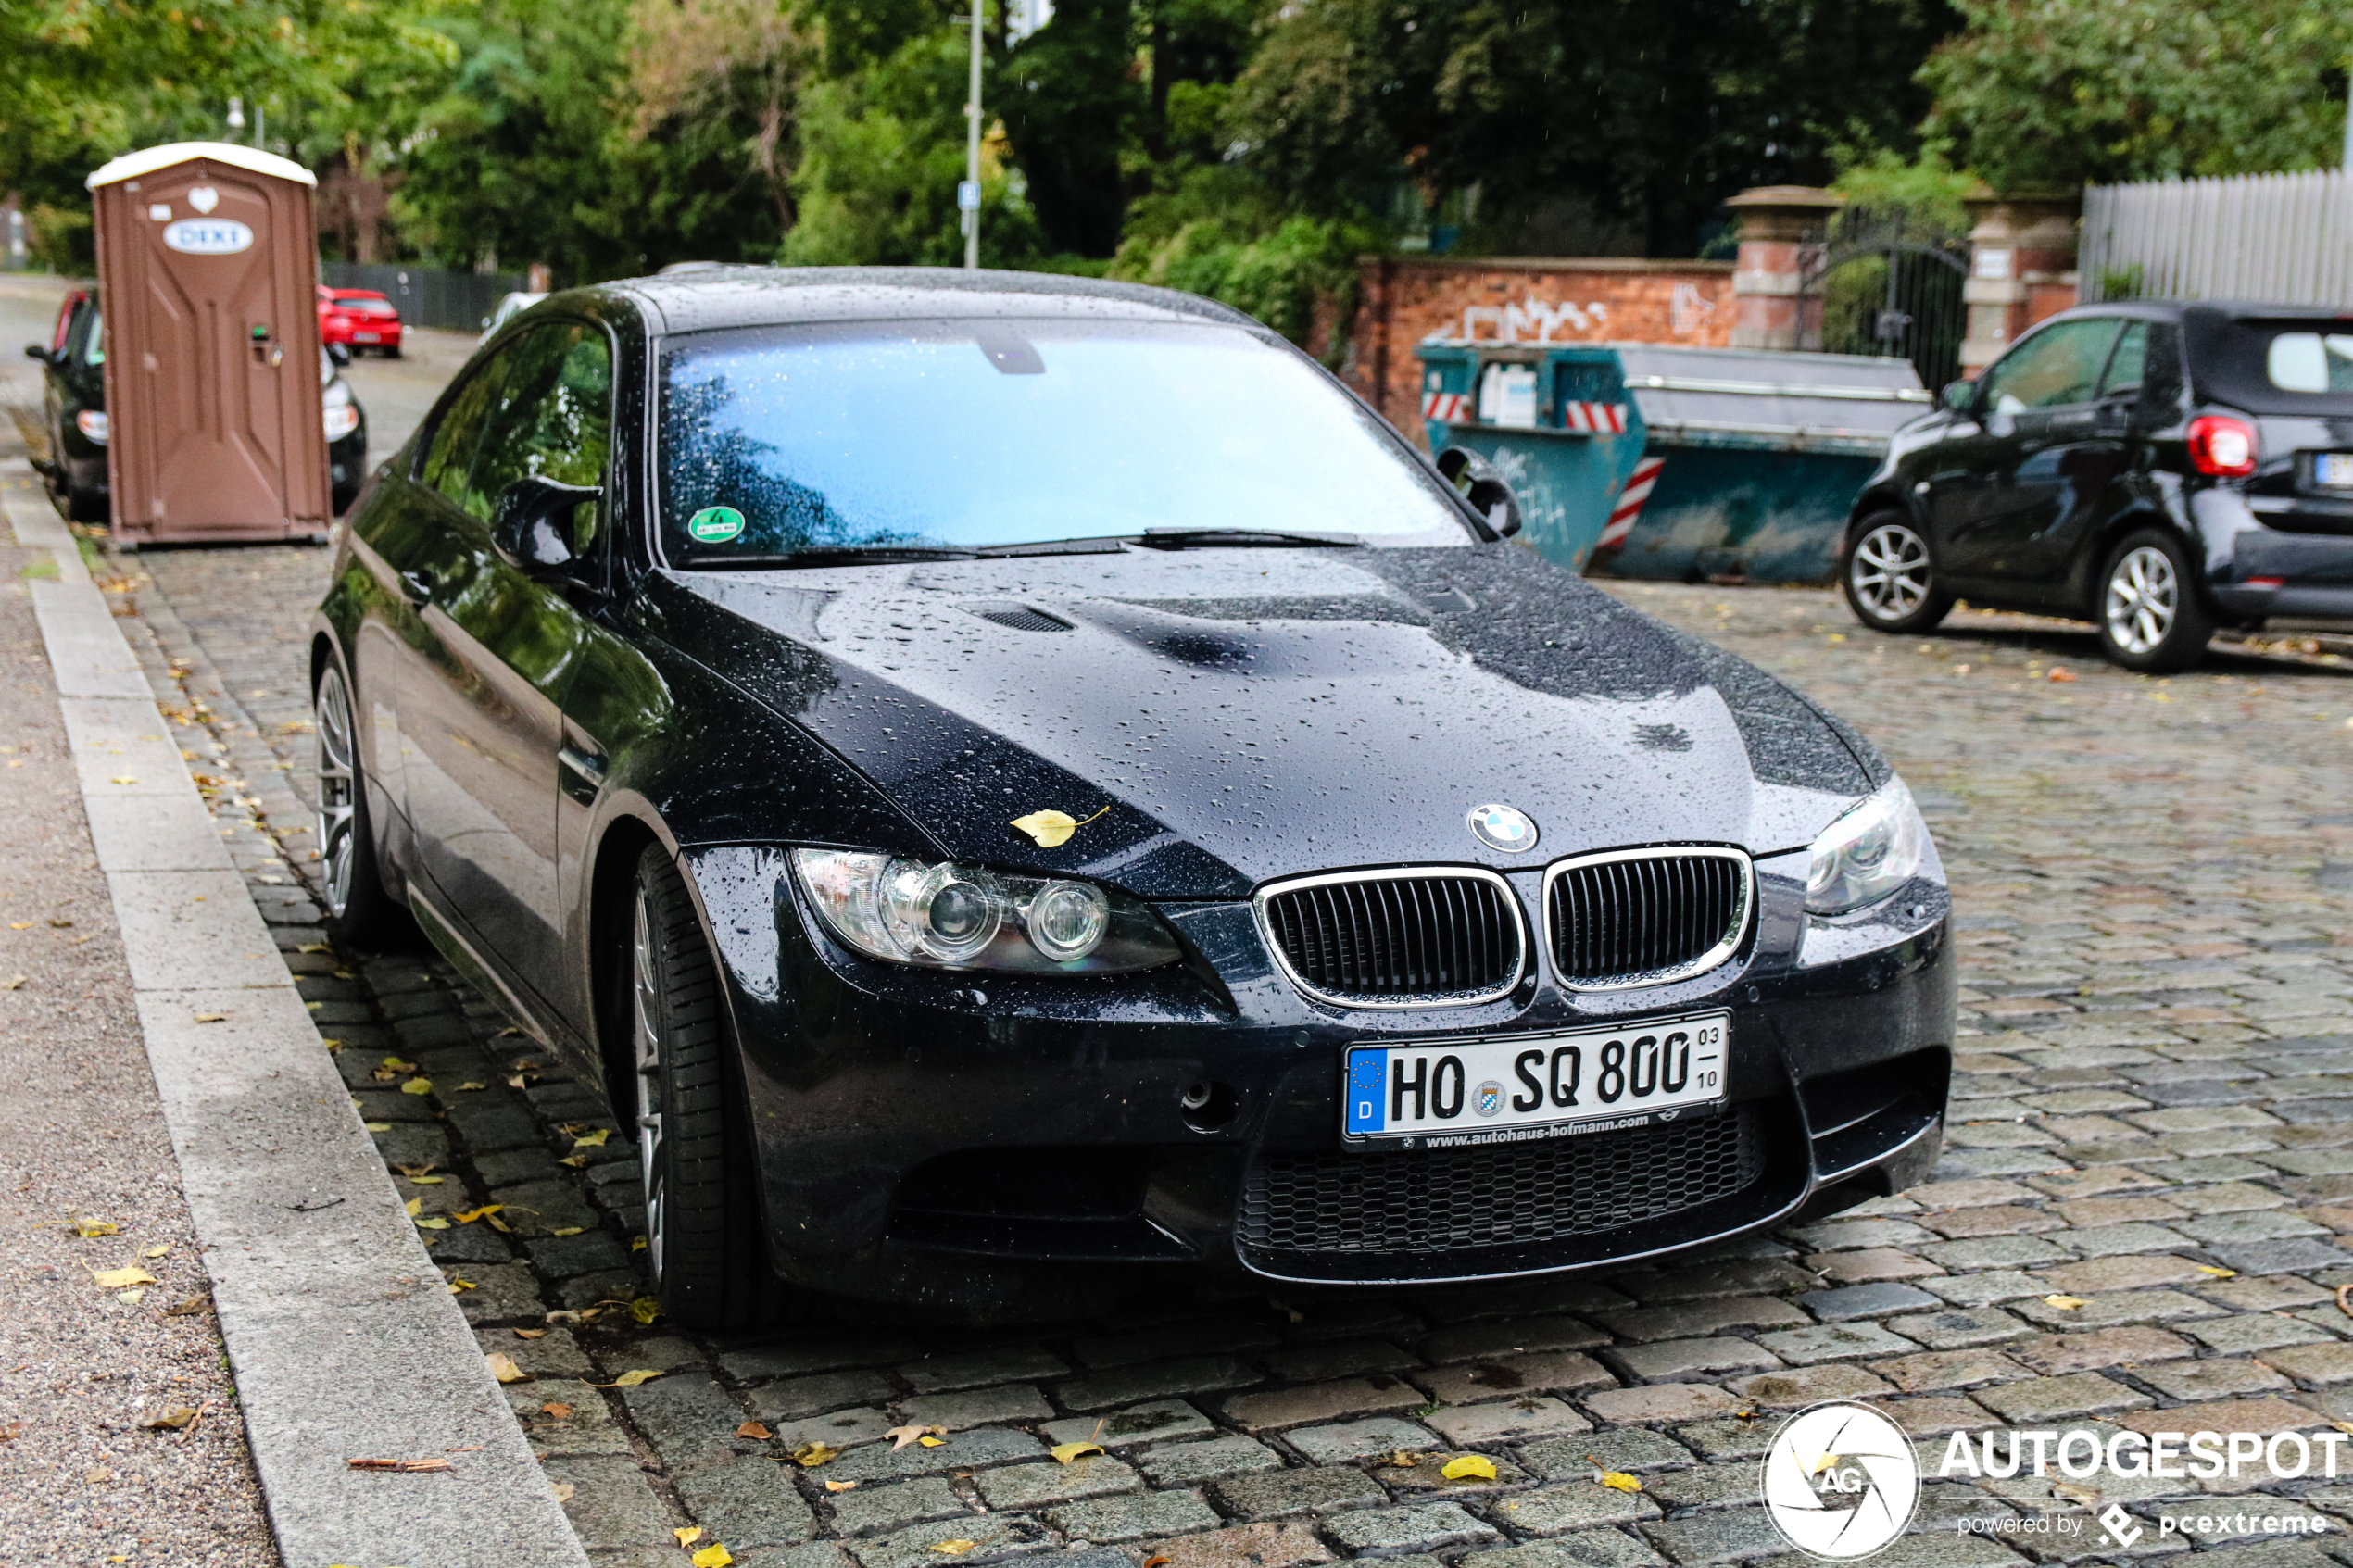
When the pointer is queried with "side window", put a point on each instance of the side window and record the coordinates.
(2058, 365)
(2127, 364)
(553, 419)
(454, 439)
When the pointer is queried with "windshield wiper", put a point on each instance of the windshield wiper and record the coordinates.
(1241, 538)
(828, 555)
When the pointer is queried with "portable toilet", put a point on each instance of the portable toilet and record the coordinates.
(208, 279)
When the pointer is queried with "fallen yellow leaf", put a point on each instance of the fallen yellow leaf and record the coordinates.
(755, 1430)
(468, 1216)
(1066, 1452)
(415, 1206)
(131, 1297)
(1051, 829)
(464, 1088)
(567, 1230)
(841, 1485)
(555, 1410)
(157, 1250)
(189, 1308)
(530, 1333)
(958, 1547)
(2218, 1274)
(901, 1435)
(637, 1244)
(433, 1223)
(932, 1442)
(457, 1285)
(20, 925)
(1468, 1466)
(428, 1181)
(212, 1018)
(13, 983)
(592, 1140)
(377, 1126)
(688, 1534)
(577, 1161)
(417, 1086)
(85, 1229)
(120, 1279)
(712, 1556)
(645, 1309)
(173, 1420)
(809, 1456)
(414, 1173)
(503, 1368)
(564, 1490)
(314, 948)
(1616, 1480)
(634, 1376)
(121, 779)
(2064, 1303)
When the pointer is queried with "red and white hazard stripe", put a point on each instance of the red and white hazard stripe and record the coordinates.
(1446, 407)
(1594, 419)
(1629, 502)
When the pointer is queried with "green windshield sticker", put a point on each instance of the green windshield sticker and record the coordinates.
(714, 525)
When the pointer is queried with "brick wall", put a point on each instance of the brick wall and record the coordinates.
(1601, 299)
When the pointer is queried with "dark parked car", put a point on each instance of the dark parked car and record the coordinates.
(74, 405)
(2159, 470)
(1011, 781)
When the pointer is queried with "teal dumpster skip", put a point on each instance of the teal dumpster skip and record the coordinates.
(1554, 419)
(1752, 460)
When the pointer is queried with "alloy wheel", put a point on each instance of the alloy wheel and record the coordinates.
(2143, 596)
(339, 788)
(647, 1039)
(1890, 572)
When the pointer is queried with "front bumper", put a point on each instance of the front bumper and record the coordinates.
(904, 1120)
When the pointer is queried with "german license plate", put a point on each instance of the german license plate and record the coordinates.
(364, 337)
(2333, 469)
(1440, 1093)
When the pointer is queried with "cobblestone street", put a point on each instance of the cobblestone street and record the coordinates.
(2134, 1225)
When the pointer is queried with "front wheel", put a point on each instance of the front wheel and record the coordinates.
(702, 1242)
(360, 913)
(1890, 579)
(2151, 619)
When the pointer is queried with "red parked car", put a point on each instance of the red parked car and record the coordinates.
(360, 319)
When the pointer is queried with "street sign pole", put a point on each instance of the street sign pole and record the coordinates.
(968, 195)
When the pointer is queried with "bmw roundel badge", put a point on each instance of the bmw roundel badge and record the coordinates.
(1503, 828)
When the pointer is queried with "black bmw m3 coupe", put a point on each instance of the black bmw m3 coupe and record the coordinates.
(1012, 783)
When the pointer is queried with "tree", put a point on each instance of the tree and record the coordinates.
(1071, 105)
(2043, 92)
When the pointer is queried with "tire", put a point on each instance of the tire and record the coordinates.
(83, 505)
(360, 913)
(703, 1248)
(393, 353)
(1890, 577)
(2150, 616)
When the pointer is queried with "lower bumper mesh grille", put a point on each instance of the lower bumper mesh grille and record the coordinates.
(1426, 1201)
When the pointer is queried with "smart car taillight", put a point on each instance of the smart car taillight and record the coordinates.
(2221, 445)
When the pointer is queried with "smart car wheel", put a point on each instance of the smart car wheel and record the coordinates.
(701, 1242)
(2151, 619)
(1890, 578)
(358, 910)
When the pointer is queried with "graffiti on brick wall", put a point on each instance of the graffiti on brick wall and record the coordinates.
(1531, 321)
(1690, 310)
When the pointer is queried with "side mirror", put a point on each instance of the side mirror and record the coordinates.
(35, 351)
(339, 353)
(1957, 396)
(531, 526)
(1479, 482)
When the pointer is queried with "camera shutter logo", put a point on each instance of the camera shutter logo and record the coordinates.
(1840, 1481)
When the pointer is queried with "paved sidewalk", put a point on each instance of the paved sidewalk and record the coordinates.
(2136, 1224)
(88, 1183)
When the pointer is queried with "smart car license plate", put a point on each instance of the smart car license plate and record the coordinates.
(1441, 1093)
(364, 337)
(2333, 469)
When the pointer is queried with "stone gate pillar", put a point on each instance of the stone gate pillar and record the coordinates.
(2023, 251)
(1778, 223)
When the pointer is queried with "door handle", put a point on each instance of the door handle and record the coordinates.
(417, 586)
(584, 772)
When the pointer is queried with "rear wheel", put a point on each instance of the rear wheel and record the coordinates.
(1890, 579)
(2151, 619)
(702, 1242)
(360, 913)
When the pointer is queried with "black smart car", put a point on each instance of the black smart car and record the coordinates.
(2158, 469)
(1011, 781)
(74, 408)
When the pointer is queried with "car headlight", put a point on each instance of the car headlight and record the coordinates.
(92, 424)
(342, 419)
(956, 916)
(1867, 854)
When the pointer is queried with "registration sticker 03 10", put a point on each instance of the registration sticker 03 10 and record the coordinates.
(1442, 1092)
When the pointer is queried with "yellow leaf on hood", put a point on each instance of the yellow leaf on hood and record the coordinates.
(1051, 829)
(2064, 1303)
(689, 1534)
(503, 1368)
(594, 1139)
(1066, 1452)
(809, 1456)
(417, 1086)
(120, 1279)
(634, 1376)
(712, 1556)
(1466, 1467)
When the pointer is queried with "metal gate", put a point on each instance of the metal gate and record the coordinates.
(1872, 290)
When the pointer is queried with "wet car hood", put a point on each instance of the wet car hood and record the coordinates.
(1237, 715)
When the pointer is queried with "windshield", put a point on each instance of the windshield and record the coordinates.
(977, 433)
